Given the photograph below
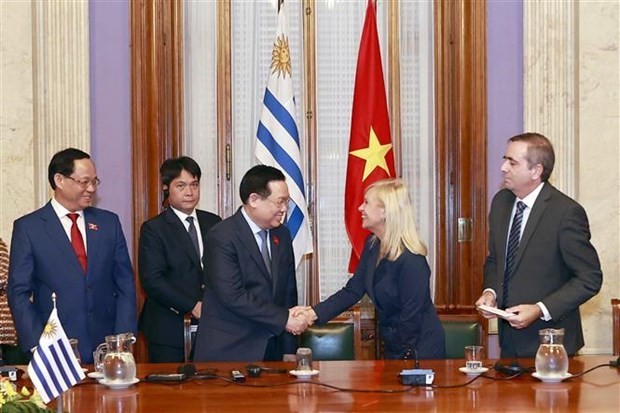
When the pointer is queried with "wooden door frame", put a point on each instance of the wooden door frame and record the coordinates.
(156, 110)
(461, 150)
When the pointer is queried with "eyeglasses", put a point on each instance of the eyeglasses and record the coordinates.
(85, 183)
(279, 203)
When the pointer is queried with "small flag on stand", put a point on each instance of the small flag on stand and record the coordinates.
(371, 156)
(278, 139)
(54, 367)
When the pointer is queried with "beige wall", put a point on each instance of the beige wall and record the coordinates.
(598, 184)
(16, 114)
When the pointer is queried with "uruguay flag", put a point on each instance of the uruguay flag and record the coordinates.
(54, 368)
(278, 139)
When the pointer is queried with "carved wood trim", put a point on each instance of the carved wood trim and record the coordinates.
(393, 74)
(460, 127)
(310, 86)
(157, 108)
(224, 110)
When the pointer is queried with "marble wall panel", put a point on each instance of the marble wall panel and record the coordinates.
(16, 114)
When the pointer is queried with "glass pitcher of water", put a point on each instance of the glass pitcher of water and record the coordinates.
(119, 366)
(551, 358)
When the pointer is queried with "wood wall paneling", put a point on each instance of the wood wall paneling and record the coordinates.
(309, 105)
(225, 191)
(460, 127)
(157, 108)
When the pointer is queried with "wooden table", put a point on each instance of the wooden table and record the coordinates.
(598, 391)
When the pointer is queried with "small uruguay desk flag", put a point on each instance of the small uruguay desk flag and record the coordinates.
(278, 139)
(54, 368)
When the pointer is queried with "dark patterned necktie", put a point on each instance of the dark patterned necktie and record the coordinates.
(193, 234)
(513, 247)
(77, 241)
(264, 249)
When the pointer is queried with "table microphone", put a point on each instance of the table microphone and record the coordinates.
(183, 373)
(188, 369)
(173, 377)
(255, 371)
(416, 376)
(511, 369)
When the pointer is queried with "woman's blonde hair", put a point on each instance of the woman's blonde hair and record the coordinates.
(400, 229)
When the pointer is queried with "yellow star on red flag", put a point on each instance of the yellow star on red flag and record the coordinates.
(370, 140)
(374, 155)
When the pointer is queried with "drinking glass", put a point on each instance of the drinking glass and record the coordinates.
(304, 359)
(473, 357)
(76, 351)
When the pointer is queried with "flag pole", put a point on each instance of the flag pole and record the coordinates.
(59, 403)
(59, 398)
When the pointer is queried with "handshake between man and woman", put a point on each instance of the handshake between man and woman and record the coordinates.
(299, 319)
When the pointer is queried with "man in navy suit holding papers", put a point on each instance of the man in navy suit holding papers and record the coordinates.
(541, 265)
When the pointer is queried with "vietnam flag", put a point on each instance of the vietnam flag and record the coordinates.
(371, 157)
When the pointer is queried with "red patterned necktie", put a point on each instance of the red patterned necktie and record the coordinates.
(77, 241)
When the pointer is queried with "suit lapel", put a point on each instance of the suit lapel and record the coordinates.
(504, 223)
(532, 221)
(58, 236)
(276, 256)
(248, 240)
(178, 231)
(204, 228)
(371, 266)
(93, 240)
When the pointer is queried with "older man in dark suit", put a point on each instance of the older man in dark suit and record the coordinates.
(79, 252)
(170, 260)
(541, 265)
(251, 277)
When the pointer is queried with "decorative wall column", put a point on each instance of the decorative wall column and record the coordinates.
(550, 83)
(61, 90)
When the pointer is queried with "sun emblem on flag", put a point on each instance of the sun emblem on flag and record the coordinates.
(281, 57)
(50, 329)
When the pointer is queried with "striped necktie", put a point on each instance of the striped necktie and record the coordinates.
(193, 234)
(513, 247)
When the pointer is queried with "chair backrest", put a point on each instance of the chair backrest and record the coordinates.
(461, 331)
(339, 339)
(615, 313)
(189, 337)
(8, 335)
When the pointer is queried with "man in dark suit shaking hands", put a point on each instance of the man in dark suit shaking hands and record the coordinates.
(251, 277)
(171, 260)
(77, 251)
(541, 265)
